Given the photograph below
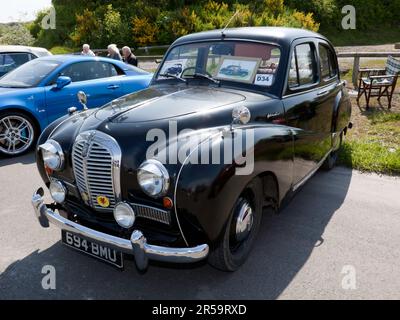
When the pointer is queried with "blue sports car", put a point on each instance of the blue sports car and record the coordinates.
(40, 91)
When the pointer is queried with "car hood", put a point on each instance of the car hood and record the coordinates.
(157, 114)
(159, 103)
(10, 90)
(194, 107)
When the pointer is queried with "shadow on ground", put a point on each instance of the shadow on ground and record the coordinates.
(24, 159)
(284, 245)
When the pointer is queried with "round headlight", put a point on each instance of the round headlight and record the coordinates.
(58, 191)
(153, 178)
(124, 215)
(52, 154)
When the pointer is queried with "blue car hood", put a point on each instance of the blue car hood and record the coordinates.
(12, 90)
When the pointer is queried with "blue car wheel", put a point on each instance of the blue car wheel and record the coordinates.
(18, 133)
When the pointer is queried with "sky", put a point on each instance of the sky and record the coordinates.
(21, 10)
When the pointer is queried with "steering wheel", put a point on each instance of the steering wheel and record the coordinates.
(194, 68)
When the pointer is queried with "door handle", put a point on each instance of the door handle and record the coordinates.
(323, 93)
(112, 87)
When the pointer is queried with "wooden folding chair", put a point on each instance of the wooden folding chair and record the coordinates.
(379, 82)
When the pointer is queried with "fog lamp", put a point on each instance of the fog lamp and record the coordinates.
(58, 191)
(124, 215)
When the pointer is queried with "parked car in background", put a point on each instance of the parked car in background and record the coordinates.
(196, 197)
(11, 57)
(40, 91)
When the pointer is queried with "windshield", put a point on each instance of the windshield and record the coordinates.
(29, 74)
(252, 63)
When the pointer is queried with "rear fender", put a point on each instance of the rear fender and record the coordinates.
(342, 111)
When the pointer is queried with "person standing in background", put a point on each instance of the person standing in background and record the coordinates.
(113, 52)
(129, 57)
(86, 51)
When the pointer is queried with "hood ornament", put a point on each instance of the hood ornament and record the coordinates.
(88, 143)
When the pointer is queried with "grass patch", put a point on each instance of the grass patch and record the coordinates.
(348, 76)
(378, 118)
(375, 146)
(370, 156)
(63, 50)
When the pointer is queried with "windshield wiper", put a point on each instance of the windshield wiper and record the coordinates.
(169, 75)
(205, 76)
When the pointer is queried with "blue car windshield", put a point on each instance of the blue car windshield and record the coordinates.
(237, 62)
(29, 74)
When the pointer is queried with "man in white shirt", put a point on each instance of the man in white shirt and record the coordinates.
(86, 51)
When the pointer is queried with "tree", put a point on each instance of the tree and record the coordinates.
(16, 35)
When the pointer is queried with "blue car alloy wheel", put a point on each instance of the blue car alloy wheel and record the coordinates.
(17, 133)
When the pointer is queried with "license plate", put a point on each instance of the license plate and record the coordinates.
(93, 249)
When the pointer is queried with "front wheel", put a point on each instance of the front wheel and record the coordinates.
(239, 234)
(17, 133)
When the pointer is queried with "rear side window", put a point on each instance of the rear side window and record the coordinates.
(302, 67)
(327, 62)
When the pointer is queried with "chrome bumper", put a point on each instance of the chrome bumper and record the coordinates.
(136, 246)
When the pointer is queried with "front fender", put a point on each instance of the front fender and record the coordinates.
(206, 192)
(29, 101)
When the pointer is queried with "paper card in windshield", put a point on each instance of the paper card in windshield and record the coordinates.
(242, 69)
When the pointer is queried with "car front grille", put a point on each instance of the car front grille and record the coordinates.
(96, 161)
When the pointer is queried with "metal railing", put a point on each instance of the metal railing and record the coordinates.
(357, 58)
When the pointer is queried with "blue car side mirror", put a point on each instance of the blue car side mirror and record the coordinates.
(62, 81)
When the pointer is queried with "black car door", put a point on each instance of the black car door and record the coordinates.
(308, 106)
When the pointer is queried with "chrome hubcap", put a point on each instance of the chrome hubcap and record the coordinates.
(16, 135)
(244, 222)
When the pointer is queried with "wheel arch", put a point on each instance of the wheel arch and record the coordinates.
(271, 190)
(26, 112)
(342, 111)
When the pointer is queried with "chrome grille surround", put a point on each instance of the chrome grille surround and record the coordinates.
(96, 161)
(151, 213)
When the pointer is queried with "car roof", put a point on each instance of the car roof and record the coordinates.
(35, 50)
(71, 58)
(280, 35)
(75, 58)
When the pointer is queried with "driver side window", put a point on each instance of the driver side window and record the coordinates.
(83, 71)
(77, 71)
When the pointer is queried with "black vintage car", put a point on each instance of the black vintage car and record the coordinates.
(181, 171)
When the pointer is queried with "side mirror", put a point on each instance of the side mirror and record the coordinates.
(82, 98)
(62, 82)
(241, 115)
